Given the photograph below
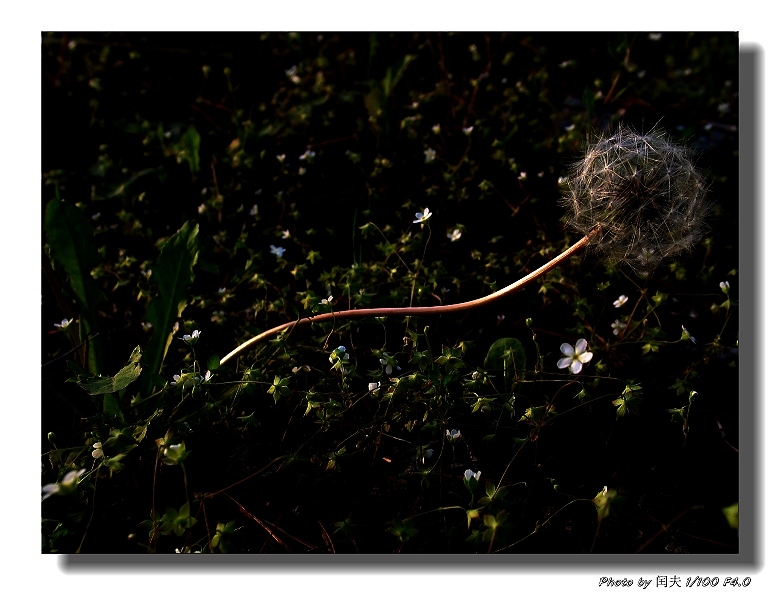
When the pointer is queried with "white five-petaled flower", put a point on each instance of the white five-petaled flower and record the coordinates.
(622, 300)
(373, 386)
(454, 235)
(327, 301)
(430, 154)
(423, 216)
(389, 363)
(64, 487)
(277, 251)
(191, 339)
(453, 434)
(469, 474)
(687, 334)
(63, 324)
(97, 450)
(724, 285)
(574, 357)
(617, 326)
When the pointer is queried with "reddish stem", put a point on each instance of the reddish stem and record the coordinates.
(409, 311)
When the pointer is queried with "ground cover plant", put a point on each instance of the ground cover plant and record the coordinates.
(200, 190)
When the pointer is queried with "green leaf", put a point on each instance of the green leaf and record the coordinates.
(111, 407)
(73, 250)
(172, 275)
(101, 385)
(189, 147)
(507, 356)
(213, 363)
(732, 515)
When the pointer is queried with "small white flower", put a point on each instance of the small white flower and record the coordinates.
(97, 450)
(575, 356)
(307, 154)
(277, 251)
(63, 324)
(326, 301)
(469, 474)
(500, 318)
(286, 234)
(373, 386)
(66, 486)
(436, 128)
(454, 235)
(389, 363)
(201, 208)
(430, 154)
(474, 375)
(176, 379)
(523, 176)
(208, 376)
(191, 339)
(281, 157)
(423, 216)
(467, 131)
(453, 434)
(292, 73)
(253, 210)
(687, 334)
(724, 285)
(617, 327)
(622, 300)
(146, 325)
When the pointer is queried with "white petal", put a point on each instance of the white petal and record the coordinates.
(581, 345)
(576, 366)
(564, 362)
(586, 357)
(567, 349)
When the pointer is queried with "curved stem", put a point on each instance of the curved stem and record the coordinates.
(406, 311)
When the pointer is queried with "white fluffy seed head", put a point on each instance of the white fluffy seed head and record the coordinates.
(644, 192)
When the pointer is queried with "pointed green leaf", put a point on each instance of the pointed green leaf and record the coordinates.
(73, 250)
(101, 385)
(506, 356)
(189, 146)
(172, 275)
